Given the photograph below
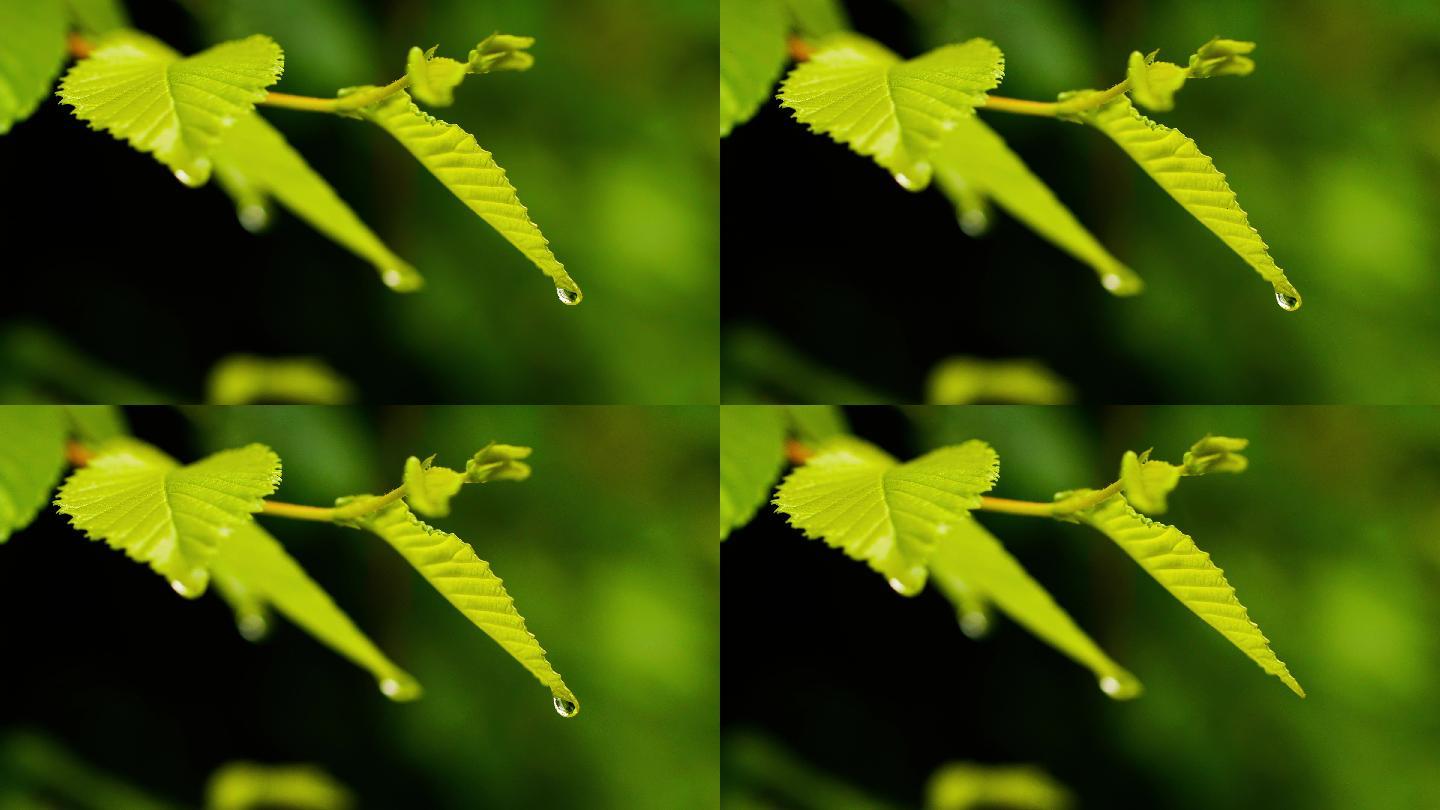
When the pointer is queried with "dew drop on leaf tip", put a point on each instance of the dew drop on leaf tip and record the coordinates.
(253, 218)
(567, 297)
(566, 708)
(974, 624)
(399, 691)
(1288, 303)
(898, 585)
(252, 627)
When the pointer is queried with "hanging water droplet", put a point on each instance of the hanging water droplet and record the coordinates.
(904, 180)
(1287, 302)
(566, 708)
(252, 626)
(392, 277)
(974, 222)
(253, 217)
(179, 587)
(1111, 281)
(1109, 685)
(400, 690)
(195, 174)
(567, 297)
(390, 687)
(1120, 689)
(974, 624)
(184, 177)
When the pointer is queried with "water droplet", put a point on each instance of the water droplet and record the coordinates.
(1286, 302)
(974, 624)
(567, 297)
(1111, 281)
(390, 687)
(195, 174)
(253, 217)
(1120, 689)
(566, 708)
(252, 626)
(392, 277)
(904, 180)
(184, 177)
(179, 587)
(1110, 685)
(974, 222)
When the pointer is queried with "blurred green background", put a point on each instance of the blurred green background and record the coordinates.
(606, 551)
(1331, 539)
(609, 140)
(1332, 145)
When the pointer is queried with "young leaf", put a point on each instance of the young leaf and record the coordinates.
(1222, 57)
(243, 379)
(752, 451)
(32, 49)
(752, 54)
(858, 498)
(1190, 177)
(254, 563)
(253, 161)
(450, 564)
(818, 18)
(1146, 483)
(253, 786)
(32, 454)
(98, 16)
(973, 160)
(861, 94)
(428, 489)
(174, 107)
(1173, 559)
(174, 518)
(970, 563)
(498, 462)
(1154, 84)
(501, 52)
(471, 174)
(1216, 454)
(971, 786)
(967, 380)
(433, 79)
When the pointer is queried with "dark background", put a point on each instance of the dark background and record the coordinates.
(829, 264)
(607, 550)
(609, 140)
(1330, 540)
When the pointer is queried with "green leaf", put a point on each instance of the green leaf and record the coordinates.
(752, 54)
(814, 424)
(1222, 57)
(818, 18)
(32, 49)
(174, 518)
(253, 786)
(1190, 177)
(501, 52)
(253, 571)
(974, 160)
(1154, 84)
(970, 563)
(433, 79)
(967, 380)
(752, 451)
(93, 424)
(98, 16)
(857, 497)
(971, 786)
(243, 379)
(861, 94)
(1173, 559)
(176, 108)
(254, 162)
(32, 455)
(1146, 483)
(450, 564)
(471, 174)
(428, 489)
(1216, 454)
